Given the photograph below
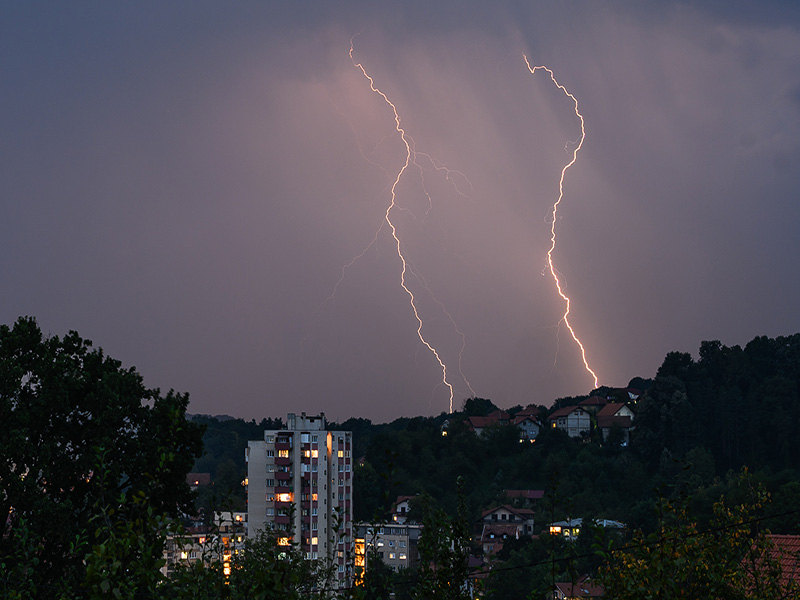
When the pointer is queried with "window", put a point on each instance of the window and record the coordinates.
(402, 556)
(402, 543)
(315, 454)
(271, 468)
(391, 556)
(314, 511)
(347, 467)
(314, 468)
(270, 439)
(270, 483)
(391, 543)
(314, 541)
(314, 439)
(270, 453)
(314, 526)
(313, 497)
(304, 438)
(340, 454)
(282, 453)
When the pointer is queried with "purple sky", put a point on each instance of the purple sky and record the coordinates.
(184, 182)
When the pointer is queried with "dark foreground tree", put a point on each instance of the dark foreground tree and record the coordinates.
(733, 559)
(81, 438)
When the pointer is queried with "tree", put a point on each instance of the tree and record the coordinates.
(82, 437)
(731, 559)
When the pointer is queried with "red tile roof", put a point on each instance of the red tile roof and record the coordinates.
(786, 551)
(583, 588)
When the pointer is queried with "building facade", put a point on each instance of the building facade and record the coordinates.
(300, 481)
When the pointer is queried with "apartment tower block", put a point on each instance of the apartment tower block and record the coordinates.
(300, 481)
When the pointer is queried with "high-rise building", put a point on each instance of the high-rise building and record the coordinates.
(300, 480)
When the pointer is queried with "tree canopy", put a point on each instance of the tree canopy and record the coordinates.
(83, 443)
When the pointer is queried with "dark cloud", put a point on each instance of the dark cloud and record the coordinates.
(185, 184)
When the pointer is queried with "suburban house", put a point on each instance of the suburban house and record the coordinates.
(528, 428)
(494, 418)
(785, 551)
(525, 420)
(524, 498)
(575, 420)
(500, 523)
(571, 528)
(400, 509)
(615, 414)
(520, 518)
(584, 587)
(593, 404)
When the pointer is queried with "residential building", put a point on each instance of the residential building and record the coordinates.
(528, 427)
(571, 528)
(396, 544)
(573, 419)
(493, 419)
(500, 523)
(217, 541)
(615, 414)
(584, 587)
(300, 481)
(401, 508)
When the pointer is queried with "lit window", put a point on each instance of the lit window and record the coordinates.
(283, 453)
(402, 556)
(315, 454)
(184, 555)
(314, 497)
(391, 556)
(341, 454)
(284, 541)
(314, 541)
(307, 453)
(554, 529)
(285, 497)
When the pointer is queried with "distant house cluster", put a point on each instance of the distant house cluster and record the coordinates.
(595, 413)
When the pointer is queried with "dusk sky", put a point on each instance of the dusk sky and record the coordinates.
(201, 189)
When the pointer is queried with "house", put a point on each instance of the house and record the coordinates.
(615, 414)
(785, 552)
(526, 498)
(571, 528)
(528, 428)
(494, 418)
(584, 587)
(400, 509)
(520, 518)
(593, 404)
(493, 536)
(572, 419)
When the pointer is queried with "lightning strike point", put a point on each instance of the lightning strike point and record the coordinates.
(554, 214)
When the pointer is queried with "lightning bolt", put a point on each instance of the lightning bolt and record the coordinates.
(410, 159)
(554, 213)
